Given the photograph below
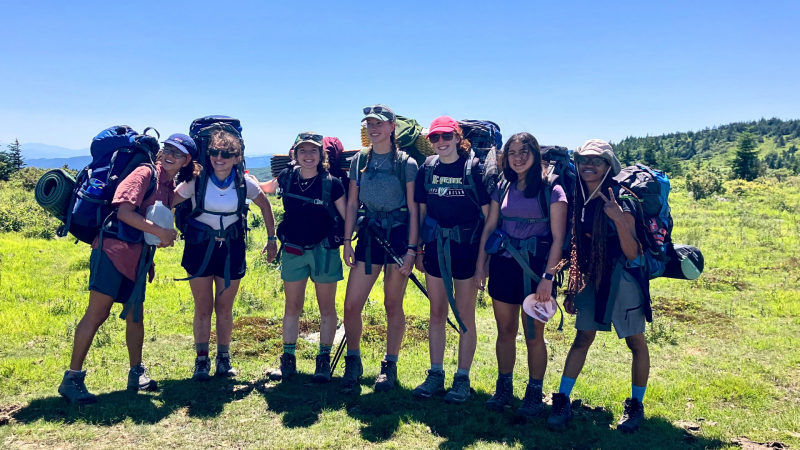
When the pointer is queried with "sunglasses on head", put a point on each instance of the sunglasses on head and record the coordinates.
(310, 137)
(593, 161)
(378, 110)
(175, 152)
(434, 138)
(224, 154)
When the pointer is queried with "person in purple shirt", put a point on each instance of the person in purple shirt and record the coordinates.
(529, 216)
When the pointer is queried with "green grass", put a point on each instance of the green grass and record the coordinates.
(724, 354)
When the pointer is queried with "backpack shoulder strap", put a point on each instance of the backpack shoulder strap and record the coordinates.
(402, 162)
(469, 182)
(362, 162)
(545, 195)
(327, 188)
(429, 165)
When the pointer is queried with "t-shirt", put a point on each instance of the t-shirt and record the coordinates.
(307, 224)
(448, 206)
(125, 255)
(219, 200)
(382, 191)
(516, 205)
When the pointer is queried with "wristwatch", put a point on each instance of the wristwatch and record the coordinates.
(272, 238)
(548, 276)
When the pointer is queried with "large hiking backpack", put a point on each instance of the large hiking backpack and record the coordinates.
(336, 238)
(116, 152)
(483, 135)
(561, 171)
(406, 134)
(335, 150)
(467, 180)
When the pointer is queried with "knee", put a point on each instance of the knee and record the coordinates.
(583, 341)
(327, 311)
(352, 309)
(293, 309)
(506, 332)
(223, 311)
(393, 308)
(637, 344)
(438, 315)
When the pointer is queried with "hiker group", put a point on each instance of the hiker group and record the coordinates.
(528, 218)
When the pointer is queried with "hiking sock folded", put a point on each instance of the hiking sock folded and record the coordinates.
(566, 386)
(505, 376)
(437, 367)
(638, 392)
(325, 349)
(535, 383)
(392, 358)
(462, 372)
(289, 347)
(201, 348)
(223, 349)
(356, 352)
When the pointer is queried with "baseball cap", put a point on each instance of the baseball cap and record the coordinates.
(308, 136)
(541, 311)
(380, 112)
(601, 148)
(443, 124)
(183, 143)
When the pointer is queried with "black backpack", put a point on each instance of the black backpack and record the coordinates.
(467, 184)
(336, 238)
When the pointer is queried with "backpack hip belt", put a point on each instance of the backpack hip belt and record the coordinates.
(197, 233)
(367, 218)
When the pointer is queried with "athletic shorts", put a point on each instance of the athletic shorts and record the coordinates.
(506, 279)
(462, 260)
(106, 279)
(296, 268)
(193, 255)
(398, 240)
(625, 306)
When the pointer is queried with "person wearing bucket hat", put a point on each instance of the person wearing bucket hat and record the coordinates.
(524, 234)
(380, 201)
(310, 235)
(453, 204)
(114, 266)
(604, 288)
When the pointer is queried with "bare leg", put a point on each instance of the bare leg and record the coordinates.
(134, 338)
(394, 289)
(438, 318)
(507, 317)
(326, 299)
(295, 292)
(466, 297)
(537, 350)
(223, 308)
(359, 284)
(577, 353)
(203, 293)
(96, 313)
(640, 368)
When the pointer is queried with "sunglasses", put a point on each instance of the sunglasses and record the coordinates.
(434, 138)
(224, 154)
(594, 161)
(173, 151)
(309, 137)
(379, 110)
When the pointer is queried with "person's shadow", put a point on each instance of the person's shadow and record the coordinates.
(201, 400)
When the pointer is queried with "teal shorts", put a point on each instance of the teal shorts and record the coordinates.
(296, 268)
(106, 279)
(625, 309)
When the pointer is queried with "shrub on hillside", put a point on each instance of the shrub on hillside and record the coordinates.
(705, 183)
(20, 213)
(26, 178)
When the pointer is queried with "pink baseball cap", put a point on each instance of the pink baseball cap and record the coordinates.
(541, 311)
(444, 124)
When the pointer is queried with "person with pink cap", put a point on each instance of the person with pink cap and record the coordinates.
(606, 283)
(453, 204)
(524, 233)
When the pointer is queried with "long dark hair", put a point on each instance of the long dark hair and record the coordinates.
(188, 172)
(535, 178)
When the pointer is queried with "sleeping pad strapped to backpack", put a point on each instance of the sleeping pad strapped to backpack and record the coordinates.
(195, 232)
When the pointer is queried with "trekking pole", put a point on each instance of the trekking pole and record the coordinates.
(338, 353)
(376, 233)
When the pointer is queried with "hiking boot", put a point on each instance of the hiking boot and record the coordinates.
(202, 367)
(532, 404)
(502, 395)
(286, 370)
(322, 374)
(223, 366)
(459, 393)
(74, 389)
(561, 411)
(632, 416)
(433, 384)
(388, 377)
(138, 379)
(353, 369)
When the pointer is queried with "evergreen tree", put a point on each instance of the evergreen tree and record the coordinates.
(15, 158)
(5, 167)
(746, 164)
(779, 141)
(650, 158)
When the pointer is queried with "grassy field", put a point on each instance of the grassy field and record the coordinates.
(724, 349)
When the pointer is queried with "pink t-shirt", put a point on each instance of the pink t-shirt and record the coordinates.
(516, 205)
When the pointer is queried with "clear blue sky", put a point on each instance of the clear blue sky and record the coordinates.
(564, 71)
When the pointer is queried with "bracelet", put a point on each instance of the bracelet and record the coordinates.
(272, 238)
(420, 252)
(411, 253)
(548, 276)
(348, 240)
(412, 247)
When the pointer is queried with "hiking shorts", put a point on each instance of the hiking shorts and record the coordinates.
(506, 279)
(106, 279)
(398, 240)
(193, 255)
(300, 267)
(625, 309)
(462, 260)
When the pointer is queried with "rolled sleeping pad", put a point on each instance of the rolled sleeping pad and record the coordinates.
(54, 192)
(685, 262)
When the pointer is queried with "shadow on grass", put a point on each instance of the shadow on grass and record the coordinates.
(201, 400)
(382, 414)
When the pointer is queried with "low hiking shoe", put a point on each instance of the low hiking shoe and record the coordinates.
(388, 376)
(202, 368)
(353, 369)
(322, 374)
(138, 379)
(632, 416)
(223, 366)
(73, 388)
(532, 404)
(502, 395)
(460, 391)
(433, 384)
(287, 368)
(561, 411)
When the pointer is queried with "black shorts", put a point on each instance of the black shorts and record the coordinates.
(106, 279)
(462, 260)
(506, 279)
(193, 255)
(398, 240)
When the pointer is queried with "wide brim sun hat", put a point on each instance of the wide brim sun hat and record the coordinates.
(601, 148)
(541, 311)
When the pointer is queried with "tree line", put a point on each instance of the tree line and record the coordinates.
(11, 160)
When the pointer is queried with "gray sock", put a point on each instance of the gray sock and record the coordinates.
(201, 348)
(437, 367)
(462, 372)
(223, 349)
(356, 352)
(392, 358)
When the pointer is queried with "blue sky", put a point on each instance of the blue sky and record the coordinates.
(564, 71)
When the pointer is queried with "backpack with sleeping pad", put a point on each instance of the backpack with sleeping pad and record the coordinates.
(195, 232)
(487, 142)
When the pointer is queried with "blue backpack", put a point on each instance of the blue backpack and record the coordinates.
(483, 135)
(116, 152)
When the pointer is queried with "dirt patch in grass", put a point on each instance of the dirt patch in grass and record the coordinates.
(723, 279)
(416, 331)
(7, 412)
(747, 444)
(255, 336)
(687, 311)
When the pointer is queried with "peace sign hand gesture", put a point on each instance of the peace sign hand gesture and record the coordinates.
(612, 209)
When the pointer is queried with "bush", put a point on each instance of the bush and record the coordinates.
(20, 213)
(26, 178)
(705, 183)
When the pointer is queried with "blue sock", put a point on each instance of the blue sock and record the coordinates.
(505, 376)
(392, 358)
(356, 352)
(638, 392)
(437, 367)
(462, 372)
(535, 383)
(566, 386)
